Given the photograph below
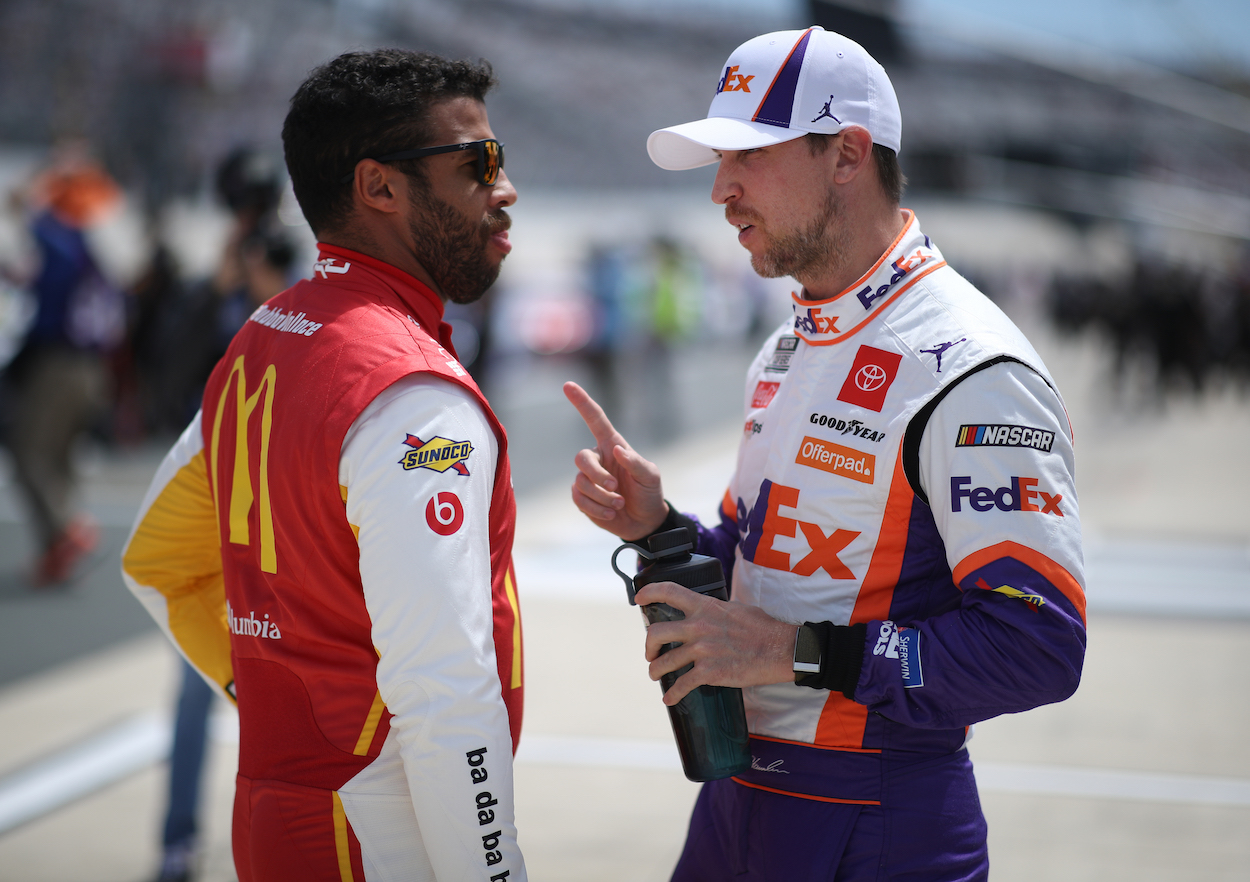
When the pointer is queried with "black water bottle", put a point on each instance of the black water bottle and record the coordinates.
(710, 723)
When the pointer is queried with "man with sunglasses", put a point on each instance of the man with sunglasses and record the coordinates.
(329, 543)
(901, 528)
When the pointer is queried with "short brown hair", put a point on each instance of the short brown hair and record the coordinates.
(889, 174)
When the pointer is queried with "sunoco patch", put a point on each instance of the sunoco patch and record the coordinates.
(438, 454)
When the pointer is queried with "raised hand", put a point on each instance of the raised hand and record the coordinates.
(615, 487)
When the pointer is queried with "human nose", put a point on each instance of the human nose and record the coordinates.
(502, 193)
(726, 186)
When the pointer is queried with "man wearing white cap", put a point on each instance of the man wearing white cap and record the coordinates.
(901, 528)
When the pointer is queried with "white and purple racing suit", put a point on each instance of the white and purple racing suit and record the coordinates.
(905, 483)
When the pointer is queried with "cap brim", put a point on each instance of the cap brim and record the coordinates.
(694, 144)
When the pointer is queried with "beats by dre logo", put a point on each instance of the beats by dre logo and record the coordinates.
(444, 513)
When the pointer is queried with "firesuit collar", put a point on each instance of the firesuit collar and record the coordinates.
(426, 306)
(910, 257)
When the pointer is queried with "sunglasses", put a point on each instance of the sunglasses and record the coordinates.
(489, 158)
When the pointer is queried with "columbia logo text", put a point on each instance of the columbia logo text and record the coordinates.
(250, 626)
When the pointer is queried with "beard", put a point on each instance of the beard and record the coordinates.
(811, 251)
(452, 248)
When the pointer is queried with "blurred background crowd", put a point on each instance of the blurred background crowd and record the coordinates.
(1111, 192)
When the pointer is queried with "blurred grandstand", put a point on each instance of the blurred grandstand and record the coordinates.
(1141, 175)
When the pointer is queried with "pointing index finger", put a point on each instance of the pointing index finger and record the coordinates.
(594, 417)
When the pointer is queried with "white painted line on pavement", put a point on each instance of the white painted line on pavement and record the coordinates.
(137, 743)
(992, 776)
(80, 770)
(1112, 784)
(617, 753)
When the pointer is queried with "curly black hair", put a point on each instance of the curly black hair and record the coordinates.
(365, 104)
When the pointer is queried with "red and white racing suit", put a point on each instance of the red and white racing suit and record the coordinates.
(906, 468)
(330, 543)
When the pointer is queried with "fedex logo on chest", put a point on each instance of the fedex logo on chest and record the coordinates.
(765, 523)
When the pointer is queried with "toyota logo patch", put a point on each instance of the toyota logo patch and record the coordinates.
(870, 377)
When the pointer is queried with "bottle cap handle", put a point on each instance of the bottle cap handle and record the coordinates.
(629, 583)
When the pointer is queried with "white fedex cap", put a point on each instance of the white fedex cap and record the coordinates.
(779, 87)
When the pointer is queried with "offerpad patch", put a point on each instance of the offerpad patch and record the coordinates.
(869, 378)
(837, 460)
(764, 392)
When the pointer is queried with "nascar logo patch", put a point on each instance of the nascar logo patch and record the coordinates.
(437, 454)
(1004, 436)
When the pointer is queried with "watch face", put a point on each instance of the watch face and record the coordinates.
(806, 651)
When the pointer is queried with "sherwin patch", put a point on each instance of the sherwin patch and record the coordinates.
(909, 658)
(1004, 436)
(437, 454)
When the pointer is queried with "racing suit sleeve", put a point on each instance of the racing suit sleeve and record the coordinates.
(425, 568)
(996, 462)
(720, 541)
(172, 561)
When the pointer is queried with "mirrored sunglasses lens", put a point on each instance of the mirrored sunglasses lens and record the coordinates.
(492, 161)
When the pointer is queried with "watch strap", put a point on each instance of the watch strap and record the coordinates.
(841, 656)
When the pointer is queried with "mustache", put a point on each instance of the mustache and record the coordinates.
(742, 215)
(496, 222)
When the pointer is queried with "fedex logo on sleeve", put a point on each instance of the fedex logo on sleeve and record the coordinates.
(1020, 495)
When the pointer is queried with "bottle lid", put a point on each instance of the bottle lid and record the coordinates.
(670, 542)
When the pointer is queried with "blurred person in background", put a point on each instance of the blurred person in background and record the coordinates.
(187, 333)
(59, 382)
(901, 530)
(329, 542)
(255, 266)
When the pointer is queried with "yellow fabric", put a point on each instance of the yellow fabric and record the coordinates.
(371, 726)
(175, 551)
(340, 840)
(516, 628)
(355, 529)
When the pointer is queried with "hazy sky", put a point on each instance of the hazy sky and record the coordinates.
(1208, 33)
(1176, 33)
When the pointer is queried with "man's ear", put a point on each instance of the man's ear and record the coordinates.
(854, 153)
(378, 186)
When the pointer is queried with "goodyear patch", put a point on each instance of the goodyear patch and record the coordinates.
(437, 454)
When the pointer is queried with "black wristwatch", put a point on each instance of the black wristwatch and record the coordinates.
(829, 656)
(807, 652)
